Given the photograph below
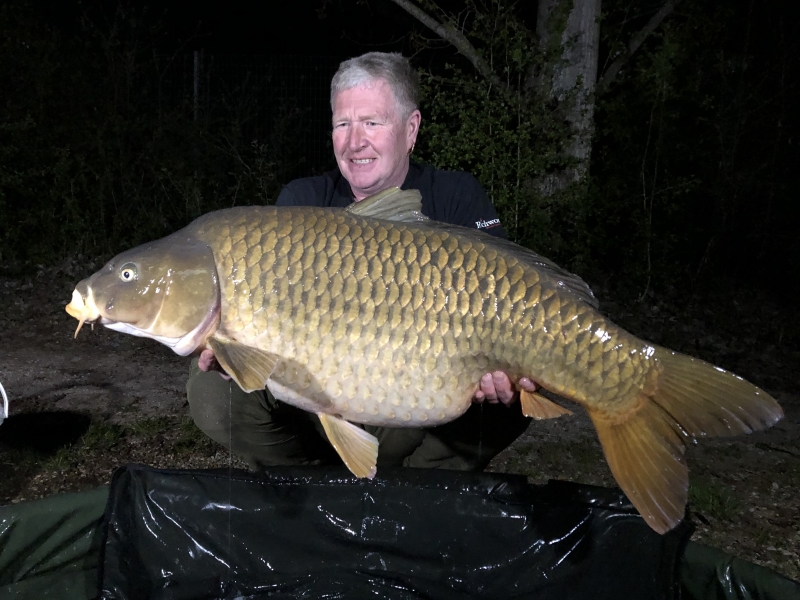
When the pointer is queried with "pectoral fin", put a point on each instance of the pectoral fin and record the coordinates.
(538, 407)
(249, 367)
(357, 448)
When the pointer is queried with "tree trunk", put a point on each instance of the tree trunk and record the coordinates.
(569, 36)
(572, 80)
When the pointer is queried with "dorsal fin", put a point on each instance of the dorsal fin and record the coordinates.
(392, 204)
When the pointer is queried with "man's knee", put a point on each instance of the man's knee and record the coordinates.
(254, 425)
(396, 444)
(210, 402)
(470, 442)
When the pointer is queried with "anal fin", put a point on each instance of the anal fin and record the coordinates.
(644, 448)
(538, 407)
(357, 448)
(249, 367)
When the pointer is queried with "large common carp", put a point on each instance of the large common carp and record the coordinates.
(377, 315)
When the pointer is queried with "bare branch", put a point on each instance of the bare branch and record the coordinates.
(447, 32)
(636, 41)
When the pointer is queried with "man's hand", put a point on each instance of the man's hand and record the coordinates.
(208, 362)
(497, 387)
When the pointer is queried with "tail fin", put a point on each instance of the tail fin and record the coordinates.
(644, 446)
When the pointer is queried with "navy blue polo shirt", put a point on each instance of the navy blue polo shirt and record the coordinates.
(453, 197)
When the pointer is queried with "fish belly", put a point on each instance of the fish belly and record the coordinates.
(395, 386)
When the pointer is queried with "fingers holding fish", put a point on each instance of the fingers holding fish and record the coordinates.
(497, 388)
(208, 362)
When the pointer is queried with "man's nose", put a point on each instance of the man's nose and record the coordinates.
(355, 140)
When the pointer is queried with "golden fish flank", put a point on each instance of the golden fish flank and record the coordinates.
(377, 315)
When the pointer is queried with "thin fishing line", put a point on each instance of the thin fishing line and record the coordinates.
(230, 463)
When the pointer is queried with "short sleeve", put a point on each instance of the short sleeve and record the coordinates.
(468, 204)
(286, 197)
(319, 190)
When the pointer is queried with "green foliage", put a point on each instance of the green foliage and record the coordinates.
(692, 168)
(511, 136)
(61, 460)
(99, 146)
(693, 164)
(192, 439)
(712, 500)
(475, 128)
(151, 426)
(101, 436)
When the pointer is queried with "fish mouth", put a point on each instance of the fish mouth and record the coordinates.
(82, 307)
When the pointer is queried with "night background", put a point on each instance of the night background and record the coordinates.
(120, 122)
(115, 132)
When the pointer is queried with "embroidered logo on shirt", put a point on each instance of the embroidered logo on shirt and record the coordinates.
(483, 224)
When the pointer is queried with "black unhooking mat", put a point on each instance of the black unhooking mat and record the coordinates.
(408, 534)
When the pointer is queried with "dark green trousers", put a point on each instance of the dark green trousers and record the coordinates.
(266, 432)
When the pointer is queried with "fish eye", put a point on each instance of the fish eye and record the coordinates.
(127, 273)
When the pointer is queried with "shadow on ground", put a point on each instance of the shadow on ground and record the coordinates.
(43, 433)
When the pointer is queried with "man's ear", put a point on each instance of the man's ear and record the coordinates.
(412, 127)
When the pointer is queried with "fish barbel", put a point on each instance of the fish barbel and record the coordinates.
(377, 315)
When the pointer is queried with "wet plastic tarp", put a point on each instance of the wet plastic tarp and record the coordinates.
(311, 533)
(159, 523)
(50, 548)
(711, 574)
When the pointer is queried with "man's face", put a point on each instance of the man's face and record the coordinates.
(370, 139)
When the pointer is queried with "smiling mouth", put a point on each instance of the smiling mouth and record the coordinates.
(361, 161)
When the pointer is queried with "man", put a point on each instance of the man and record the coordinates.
(375, 125)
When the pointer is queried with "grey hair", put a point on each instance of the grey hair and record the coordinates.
(392, 67)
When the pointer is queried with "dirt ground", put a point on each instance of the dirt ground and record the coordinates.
(81, 408)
